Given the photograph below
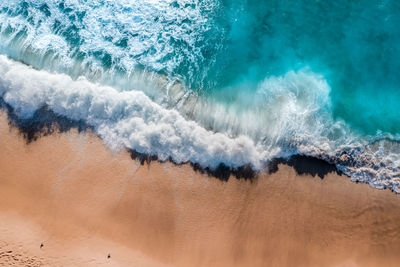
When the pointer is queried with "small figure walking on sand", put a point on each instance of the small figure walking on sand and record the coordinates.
(108, 256)
(41, 244)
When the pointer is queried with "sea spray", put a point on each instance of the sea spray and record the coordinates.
(124, 119)
(216, 82)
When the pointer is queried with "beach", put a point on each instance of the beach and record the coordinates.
(67, 200)
(199, 133)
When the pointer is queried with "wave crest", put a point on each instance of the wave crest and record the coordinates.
(290, 115)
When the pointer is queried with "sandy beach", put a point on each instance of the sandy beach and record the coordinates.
(66, 200)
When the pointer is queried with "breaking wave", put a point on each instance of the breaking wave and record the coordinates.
(148, 76)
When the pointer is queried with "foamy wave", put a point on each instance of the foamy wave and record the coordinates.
(125, 119)
(127, 66)
(289, 115)
(95, 37)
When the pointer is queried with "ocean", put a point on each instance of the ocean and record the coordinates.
(216, 82)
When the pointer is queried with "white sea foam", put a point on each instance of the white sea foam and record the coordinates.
(287, 114)
(290, 115)
(125, 119)
(115, 46)
(102, 36)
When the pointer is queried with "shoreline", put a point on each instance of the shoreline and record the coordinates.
(126, 119)
(84, 202)
(45, 122)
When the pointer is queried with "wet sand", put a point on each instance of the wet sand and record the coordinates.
(83, 202)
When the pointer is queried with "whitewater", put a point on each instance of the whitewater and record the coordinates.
(175, 80)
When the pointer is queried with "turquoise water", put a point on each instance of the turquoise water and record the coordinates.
(354, 44)
(225, 79)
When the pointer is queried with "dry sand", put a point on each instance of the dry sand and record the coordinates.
(84, 202)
